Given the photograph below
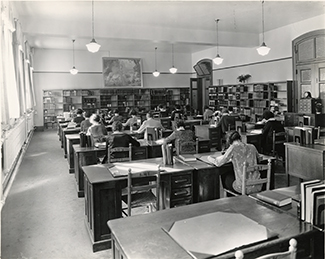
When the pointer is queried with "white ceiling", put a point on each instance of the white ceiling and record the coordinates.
(142, 25)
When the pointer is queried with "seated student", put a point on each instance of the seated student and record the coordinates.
(150, 122)
(120, 139)
(177, 114)
(85, 124)
(163, 110)
(226, 121)
(79, 117)
(267, 133)
(96, 131)
(116, 117)
(208, 113)
(131, 121)
(179, 135)
(238, 153)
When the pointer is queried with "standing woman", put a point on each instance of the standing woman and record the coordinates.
(96, 131)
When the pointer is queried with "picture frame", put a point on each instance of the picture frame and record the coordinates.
(122, 72)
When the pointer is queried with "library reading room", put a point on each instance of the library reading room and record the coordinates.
(170, 129)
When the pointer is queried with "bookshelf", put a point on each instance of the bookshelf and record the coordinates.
(250, 99)
(57, 101)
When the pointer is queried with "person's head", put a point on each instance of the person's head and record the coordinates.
(149, 114)
(160, 106)
(180, 123)
(133, 113)
(307, 94)
(116, 112)
(177, 107)
(94, 118)
(268, 115)
(79, 112)
(233, 136)
(230, 109)
(117, 126)
(87, 114)
(206, 107)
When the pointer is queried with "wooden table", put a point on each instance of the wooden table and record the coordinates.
(72, 139)
(65, 132)
(142, 236)
(306, 162)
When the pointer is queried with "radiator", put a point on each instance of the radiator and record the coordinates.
(11, 148)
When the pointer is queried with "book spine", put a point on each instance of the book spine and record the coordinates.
(267, 199)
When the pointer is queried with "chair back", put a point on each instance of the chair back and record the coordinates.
(290, 254)
(153, 133)
(119, 154)
(239, 126)
(187, 147)
(143, 182)
(278, 139)
(256, 168)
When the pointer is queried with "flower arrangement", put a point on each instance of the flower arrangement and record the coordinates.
(243, 78)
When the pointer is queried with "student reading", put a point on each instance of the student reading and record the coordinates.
(238, 153)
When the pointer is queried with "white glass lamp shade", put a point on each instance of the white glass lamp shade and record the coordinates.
(156, 73)
(217, 60)
(263, 49)
(93, 46)
(74, 71)
(173, 70)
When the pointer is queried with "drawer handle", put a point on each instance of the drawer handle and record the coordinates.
(181, 181)
(181, 193)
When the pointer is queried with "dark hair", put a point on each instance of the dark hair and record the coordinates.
(268, 114)
(233, 137)
(79, 111)
(117, 126)
(133, 112)
(206, 107)
(180, 123)
(96, 117)
(230, 108)
(177, 106)
(150, 114)
(87, 114)
(160, 106)
(117, 111)
(308, 94)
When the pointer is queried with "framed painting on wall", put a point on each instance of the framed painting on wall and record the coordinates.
(122, 72)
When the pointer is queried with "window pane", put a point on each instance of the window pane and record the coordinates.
(305, 75)
(305, 88)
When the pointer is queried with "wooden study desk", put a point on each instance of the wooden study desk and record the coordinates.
(65, 132)
(306, 162)
(72, 139)
(143, 237)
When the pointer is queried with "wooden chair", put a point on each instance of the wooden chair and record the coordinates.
(153, 133)
(139, 190)
(290, 254)
(246, 182)
(119, 154)
(278, 140)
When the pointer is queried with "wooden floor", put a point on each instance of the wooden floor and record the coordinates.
(43, 218)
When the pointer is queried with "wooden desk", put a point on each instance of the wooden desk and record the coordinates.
(72, 139)
(143, 237)
(252, 138)
(306, 162)
(103, 195)
(84, 156)
(60, 133)
(67, 131)
(207, 132)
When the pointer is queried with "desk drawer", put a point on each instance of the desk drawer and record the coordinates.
(139, 153)
(182, 192)
(181, 180)
(181, 202)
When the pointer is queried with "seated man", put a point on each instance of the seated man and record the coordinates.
(79, 117)
(208, 113)
(180, 135)
(116, 117)
(85, 124)
(177, 114)
(151, 123)
(131, 122)
(267, 133)
(119, 138)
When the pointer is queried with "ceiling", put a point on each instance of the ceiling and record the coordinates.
(142, 25)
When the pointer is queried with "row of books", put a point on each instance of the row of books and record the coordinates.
(305, 135)
(313, 202)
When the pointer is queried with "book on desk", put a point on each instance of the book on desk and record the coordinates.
(274, 197)
(187, 157)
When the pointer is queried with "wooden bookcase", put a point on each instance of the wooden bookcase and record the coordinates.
(250, 99)
(57, 101)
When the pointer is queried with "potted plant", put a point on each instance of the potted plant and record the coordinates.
(243, 78)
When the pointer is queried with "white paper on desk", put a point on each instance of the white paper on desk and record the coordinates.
(122, 169)
(256, 131)
(203, 159)
(217, 233)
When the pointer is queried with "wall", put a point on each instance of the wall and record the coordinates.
(51, 71)
(276, 66)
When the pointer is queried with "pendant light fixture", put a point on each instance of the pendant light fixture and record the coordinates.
(263, 49)
(93, 46)
(173, 69)
(217, 60)
(73, 71)
(156, 73)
